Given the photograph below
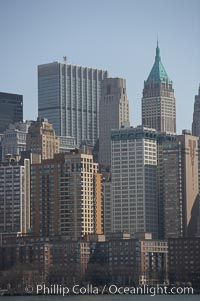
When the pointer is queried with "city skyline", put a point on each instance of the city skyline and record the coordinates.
(98, 187)
(117, 38)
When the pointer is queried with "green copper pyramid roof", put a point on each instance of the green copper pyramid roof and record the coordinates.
(158, 72)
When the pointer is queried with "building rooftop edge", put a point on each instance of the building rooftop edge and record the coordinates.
(74, 65)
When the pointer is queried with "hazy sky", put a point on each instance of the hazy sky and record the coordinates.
(118, 36)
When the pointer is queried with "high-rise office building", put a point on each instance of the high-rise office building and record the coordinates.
(196, 116)
(15, 196)
(68, 96)
(113, 114)
(14, 139)
(65, 194)
(191, 213)
(11, 109)
(173, 199)
(41, 139)
(163, 138)
(134, 180)
(180, 165)
(158, 101)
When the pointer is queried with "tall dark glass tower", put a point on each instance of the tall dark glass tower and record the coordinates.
(11, 109)
(196, 116)
(158, 102)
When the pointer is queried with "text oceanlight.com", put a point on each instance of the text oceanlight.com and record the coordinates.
(112, 289)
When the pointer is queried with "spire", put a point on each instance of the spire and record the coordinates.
(157, 57)
(158, 73)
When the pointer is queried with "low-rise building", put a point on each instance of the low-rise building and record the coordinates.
(49, 257)
(184, 260)
(137, 261)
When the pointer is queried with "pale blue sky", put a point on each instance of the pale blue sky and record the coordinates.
(119, 36)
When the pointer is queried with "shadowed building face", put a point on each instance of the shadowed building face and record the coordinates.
(180, 164)
(11, 109)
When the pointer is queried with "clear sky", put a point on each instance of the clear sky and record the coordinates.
(115, 35)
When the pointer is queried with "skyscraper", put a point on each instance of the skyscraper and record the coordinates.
(158, 102)
(163, 138)
(11, 109)
(181, 189)
(15, 196)
(196, 116)
(113, 114)
(134, 180)
(173, 198)
(68, 96)
(196, 129)
(66, 196)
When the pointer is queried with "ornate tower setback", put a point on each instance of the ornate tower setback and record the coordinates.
(158, 102)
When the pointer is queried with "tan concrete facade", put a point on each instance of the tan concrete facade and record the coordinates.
(158, 101)
(66, 196)
(191, 181)
(41, 139)
(134, 180)
(159, 107)
(181, 189)
(113, 114)
(154, 262)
